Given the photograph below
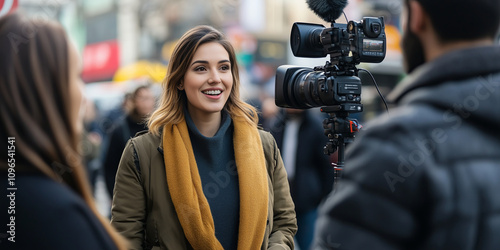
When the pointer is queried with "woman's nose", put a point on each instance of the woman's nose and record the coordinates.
(214, 77)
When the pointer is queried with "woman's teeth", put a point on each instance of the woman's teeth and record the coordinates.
(212, 92)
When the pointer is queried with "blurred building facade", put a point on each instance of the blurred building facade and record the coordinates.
(115, 34)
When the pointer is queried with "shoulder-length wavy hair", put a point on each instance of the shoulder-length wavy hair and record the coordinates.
(172, 101)
(35, 106)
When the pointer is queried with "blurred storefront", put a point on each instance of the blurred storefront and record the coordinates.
(101, 52)
(8, 6)
(132, 39)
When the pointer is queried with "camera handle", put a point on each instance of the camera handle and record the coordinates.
(340, 130)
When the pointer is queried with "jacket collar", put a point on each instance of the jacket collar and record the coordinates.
(456, 65)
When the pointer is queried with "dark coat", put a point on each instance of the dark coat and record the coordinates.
(49, 215)
(119, 135)
(144, 213)
(313, 179)
(427, 176)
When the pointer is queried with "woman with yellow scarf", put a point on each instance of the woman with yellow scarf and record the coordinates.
(203, 176)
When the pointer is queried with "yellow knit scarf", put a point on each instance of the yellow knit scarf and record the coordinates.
(187, 195)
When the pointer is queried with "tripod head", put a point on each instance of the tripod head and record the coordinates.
(340, 130)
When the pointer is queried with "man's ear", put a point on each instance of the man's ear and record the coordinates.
(418, 18)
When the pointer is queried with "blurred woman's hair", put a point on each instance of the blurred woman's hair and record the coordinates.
(138, 89)
(172, 100)
(35, 106)
(131, 98)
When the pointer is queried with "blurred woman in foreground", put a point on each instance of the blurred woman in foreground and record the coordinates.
(49, 202)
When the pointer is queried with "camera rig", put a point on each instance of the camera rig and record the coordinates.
(335, 87)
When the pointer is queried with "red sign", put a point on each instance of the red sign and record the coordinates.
(100, 61)
(7, 6)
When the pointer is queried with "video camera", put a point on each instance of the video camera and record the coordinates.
(335, 87)
(337, 82)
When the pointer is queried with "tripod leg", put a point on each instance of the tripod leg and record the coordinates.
(339, 167)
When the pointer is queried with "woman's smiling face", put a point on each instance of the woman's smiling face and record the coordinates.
(208, 80)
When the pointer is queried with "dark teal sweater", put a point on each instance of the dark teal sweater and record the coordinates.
(217, 167)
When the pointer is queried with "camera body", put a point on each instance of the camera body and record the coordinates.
(336, 83)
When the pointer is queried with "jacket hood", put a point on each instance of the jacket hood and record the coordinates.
(465, 82)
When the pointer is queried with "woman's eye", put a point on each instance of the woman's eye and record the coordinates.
(225, 67)
(199, 68)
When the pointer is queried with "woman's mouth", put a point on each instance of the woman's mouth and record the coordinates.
(213, 93)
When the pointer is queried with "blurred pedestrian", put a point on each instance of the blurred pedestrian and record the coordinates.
(204, 176)
(91, 143)
(142, 102)
(107, 123)
(300, 137)
(115, 115)
(426, 177)
(49, 202)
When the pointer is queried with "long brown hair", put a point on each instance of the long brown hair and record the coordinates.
(35, 106)
(172, 100)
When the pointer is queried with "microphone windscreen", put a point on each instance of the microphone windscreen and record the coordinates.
(328, 10)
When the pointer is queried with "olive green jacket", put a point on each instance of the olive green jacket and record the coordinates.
(143, 211)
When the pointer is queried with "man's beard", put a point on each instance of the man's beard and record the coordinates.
(413, 52)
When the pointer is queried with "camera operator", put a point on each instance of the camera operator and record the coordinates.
(426, 176)
(300, 138)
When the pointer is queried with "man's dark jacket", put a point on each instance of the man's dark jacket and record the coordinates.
(313, 173)
(426, 176)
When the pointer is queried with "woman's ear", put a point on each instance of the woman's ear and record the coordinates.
(181, 86)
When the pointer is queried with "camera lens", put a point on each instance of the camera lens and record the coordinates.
(305, 40)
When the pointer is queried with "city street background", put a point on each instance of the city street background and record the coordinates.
(127, 43)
